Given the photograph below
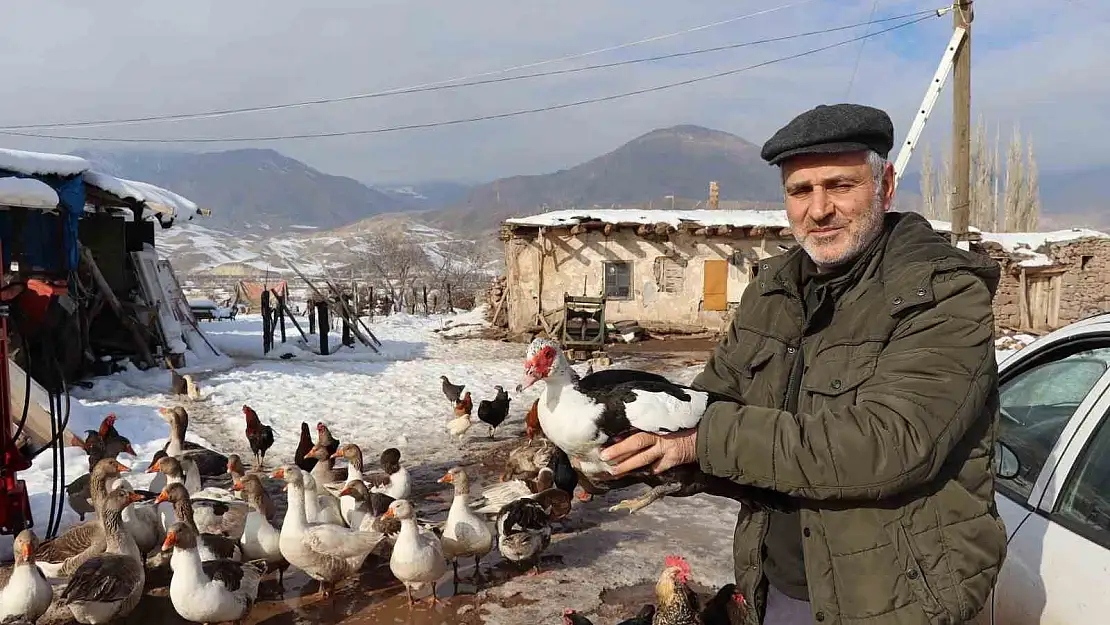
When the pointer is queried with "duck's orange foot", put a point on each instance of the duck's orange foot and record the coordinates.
(584, 496)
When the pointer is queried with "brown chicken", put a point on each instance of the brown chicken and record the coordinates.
(260, 437)
(532, 421)
(728, 607)
(325, 439)
(303, 447)
(676, 602)
(464, 406)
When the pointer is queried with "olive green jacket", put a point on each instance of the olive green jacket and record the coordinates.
(890, 452)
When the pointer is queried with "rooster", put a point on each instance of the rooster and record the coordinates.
(493, 412)
(464, 406)
(452, 391)
(325, 439)
(261, 437)
(532, 421)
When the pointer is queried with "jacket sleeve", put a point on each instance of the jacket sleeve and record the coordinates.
(931, 382)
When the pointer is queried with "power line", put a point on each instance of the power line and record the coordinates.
(468, 120)
(859, 53)
(488, 81)
(399, 90)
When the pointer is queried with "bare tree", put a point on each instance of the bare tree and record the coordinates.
(1015, 185)
(396, 260)
(1031, 215)
(984, 173)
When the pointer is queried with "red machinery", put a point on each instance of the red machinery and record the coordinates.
(15, 509)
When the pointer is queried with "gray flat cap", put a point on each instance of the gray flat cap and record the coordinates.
(832, 129)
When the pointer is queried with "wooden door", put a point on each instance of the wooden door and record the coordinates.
(1044, 302)
(715, 291)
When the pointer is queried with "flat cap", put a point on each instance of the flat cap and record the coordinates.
(832, 129)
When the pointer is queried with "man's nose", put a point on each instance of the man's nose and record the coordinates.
(820, 205)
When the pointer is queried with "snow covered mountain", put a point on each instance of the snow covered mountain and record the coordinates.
(195, 248)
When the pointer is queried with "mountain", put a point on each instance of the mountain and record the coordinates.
(678, 161)
(251, 189)
(427, 195)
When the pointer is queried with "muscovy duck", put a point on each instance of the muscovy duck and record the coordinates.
(607, 406)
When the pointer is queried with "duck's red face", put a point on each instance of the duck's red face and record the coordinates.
(537, 367)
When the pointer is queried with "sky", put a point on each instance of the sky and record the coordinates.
(1037, 64)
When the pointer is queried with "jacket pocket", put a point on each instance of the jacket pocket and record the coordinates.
(840, 369)
(908, 561)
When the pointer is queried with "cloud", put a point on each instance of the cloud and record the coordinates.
(1033, 65)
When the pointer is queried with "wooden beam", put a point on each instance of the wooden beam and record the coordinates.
(110, 297)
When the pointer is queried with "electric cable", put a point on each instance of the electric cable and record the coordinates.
(443, 85)
(467, 120)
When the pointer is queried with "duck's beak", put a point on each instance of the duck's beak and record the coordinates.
(238, 485)
(122, 468)
(171, 540)
(278, 474)
(446, 479)
(346, 492)
(152, 468)
(389, 514)
(135, 498)
(25, 550)
(529, 379)
(161, 497)
(337, 454)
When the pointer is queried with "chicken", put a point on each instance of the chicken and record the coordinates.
(532, 421)
(261, 437)
(643, 617)
(464, 406)
(325, 439)
(452, 391)
(493, 412)
(676, 602)
(300, 458)
(178, 386)
(728, 607)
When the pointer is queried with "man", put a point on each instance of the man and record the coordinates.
(865, 384)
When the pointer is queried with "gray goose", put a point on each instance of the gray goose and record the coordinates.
(211, 546)
(24, 591)
(260, 540)
(108, 586)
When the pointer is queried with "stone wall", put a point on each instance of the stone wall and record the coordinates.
(1081, 268)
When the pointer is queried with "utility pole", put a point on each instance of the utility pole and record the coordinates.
(961, 125)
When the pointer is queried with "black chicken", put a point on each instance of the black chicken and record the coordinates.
(303, 462)
(261, 437)
(493, 412)
(452, 391)
(727, 607)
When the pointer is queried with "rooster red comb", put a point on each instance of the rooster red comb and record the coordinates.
(738, 597)
(319, 425)
(678, 562)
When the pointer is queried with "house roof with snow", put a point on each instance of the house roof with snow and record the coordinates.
(162, 203)
(705, 221)
(27, 193)
(1031, 249)
(41, 163)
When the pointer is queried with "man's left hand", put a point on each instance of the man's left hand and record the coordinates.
(662, 452)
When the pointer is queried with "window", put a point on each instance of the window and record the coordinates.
(1037, 403)
(618, 280)
(1084, 504)
(1084, 261)
(669, 274)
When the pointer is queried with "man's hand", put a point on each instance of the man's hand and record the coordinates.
(660, 451)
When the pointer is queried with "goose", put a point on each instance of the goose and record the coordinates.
(369, 507)
(209, 463)
(108, 586)
(237, 471)
(60, 557)
(320, 504)
(556, 501)
(324, 471)
(212, 591)
(327, 553)
(174, 470)
(260, 539)
(398, 484)
(211, 546)
(24, 591)
(523, 532)
(353, 454)
(417, 559)
(465, 534)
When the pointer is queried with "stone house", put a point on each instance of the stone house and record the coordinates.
(667, 270)
(1049, 279)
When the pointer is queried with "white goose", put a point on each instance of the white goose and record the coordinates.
(24, 592)
(353, 454)
(417, 559)
(465, 534)
(260, 539)
(321, 507)
(212, 591)
(327, 553)
(399, 483)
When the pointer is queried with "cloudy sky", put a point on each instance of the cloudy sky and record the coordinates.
(1038, 63)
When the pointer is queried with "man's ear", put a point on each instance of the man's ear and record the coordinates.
(888, 186)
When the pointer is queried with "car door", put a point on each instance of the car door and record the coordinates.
(1048, 403)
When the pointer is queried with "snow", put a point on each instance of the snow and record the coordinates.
(27, 193)
(703, 217)
(156, 198)
(41, 163)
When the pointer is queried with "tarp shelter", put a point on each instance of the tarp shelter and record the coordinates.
(33, 237)
(248, 293)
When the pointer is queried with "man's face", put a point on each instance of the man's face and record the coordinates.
(833, 204)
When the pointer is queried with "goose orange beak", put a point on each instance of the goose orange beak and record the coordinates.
(238, 485)
(162, 497)
(278, 474)
(389, 514)
(25, 550)
(135, 497)
(122, 468)
(171, 540)
(446, 479)
(346, 492)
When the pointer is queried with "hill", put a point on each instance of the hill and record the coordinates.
(679, 161)
(251, 189)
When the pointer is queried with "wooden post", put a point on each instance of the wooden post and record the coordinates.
(322, 312)
(289, 313)
(425, 289)
(450, 300)
(113, 302)
(373, 302)
(280, 314)
(961, 125)
(348, 338)
(311, 306)
(267, 323)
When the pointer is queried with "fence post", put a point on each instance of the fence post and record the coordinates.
(348, 339)
(280, 314)
(450, 300)
(322, 311)
(267, 321)
(311, 310)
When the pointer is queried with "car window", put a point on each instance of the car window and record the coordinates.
(1084, 503)
(1037, 403)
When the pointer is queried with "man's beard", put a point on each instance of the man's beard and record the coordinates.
(868, 228)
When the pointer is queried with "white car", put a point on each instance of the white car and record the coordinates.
(1053, 486)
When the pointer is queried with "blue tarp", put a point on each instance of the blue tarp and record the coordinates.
(46, 240)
